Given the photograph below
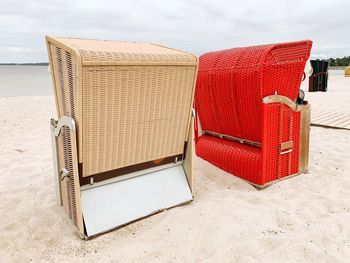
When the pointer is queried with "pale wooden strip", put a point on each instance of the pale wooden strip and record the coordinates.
(331, 121)
(332, 127)
(324, 115)
(318, 113)
(345, 124)
(346, 120)
(326, 118)
(341, 120)
(321, 116)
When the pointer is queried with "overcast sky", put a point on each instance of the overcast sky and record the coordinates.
(196, 26)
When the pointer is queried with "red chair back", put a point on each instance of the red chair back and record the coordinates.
(231, 84)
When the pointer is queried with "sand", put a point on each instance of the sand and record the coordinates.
(337, 98)
(302, 219)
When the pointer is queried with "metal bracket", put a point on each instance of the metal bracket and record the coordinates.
(59, 175)
(64, 173)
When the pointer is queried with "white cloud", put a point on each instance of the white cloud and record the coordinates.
(319, 56)
(13, 49)
(192, 25)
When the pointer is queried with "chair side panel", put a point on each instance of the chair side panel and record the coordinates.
(65, 81)
(64, 74)
(281, 125)
(188, 161)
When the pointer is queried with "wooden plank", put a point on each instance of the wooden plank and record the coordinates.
(326, 118)
(304, 139)
(345, 124)
(345, 118)
(318, 114)
(332, 127)
(322, 116)
(331, 121)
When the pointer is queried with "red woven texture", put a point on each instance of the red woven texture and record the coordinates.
(231, 84)
(230, 87)
(232, 157)
(280, 124)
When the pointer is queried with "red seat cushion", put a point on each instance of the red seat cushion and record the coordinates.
(238, 159)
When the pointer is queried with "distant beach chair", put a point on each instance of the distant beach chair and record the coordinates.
(318, 81)
(123, 142)
(247, 120)
(347, 71)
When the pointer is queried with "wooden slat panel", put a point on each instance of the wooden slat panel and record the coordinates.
(331, 119)
(325, 116)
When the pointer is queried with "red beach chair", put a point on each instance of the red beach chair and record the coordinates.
(248, 122)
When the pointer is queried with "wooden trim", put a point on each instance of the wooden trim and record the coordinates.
(261, 187)
(187, 163)
(190, 117)
(281, 99)
(53, 79)
(124, 170)
(286, 145)
(79, 67)
(304, 138)
(329, 127)
(232, 138)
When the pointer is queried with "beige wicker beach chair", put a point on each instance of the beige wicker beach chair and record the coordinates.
(122, 143)
(347, 71)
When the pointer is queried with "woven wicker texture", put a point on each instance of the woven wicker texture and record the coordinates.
(230, 87)
(233, 157)
(280, 124)
(143, 117)
(131, 101)
(105, 52)
(65, 70)
(66, 94)
(231, 84)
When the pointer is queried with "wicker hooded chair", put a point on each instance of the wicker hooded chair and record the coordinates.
(247, 121)
(123, 142)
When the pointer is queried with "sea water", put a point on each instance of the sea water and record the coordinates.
(36, 80)
(25, 81)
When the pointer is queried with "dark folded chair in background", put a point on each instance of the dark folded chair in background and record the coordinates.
(319, 79)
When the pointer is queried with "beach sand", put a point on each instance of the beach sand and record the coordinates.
(302, 219)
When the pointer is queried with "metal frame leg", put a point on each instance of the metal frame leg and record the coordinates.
(56, 126)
